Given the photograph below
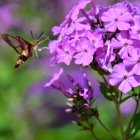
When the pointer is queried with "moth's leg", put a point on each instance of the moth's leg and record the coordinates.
(36, 50)
(42, 48)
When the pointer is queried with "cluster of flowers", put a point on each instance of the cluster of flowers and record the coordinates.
(106, 36)
(80, 98)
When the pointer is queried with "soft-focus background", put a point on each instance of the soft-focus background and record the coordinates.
(27, 109)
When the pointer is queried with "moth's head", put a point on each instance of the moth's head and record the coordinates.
(34, 42)
(40, 39)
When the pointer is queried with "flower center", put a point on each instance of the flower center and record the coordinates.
(85, 50)
(93, 41)
(67, 52)
(126, 44)
(116, 19)
(125, 77)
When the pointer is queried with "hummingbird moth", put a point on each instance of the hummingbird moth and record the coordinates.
(24, 48)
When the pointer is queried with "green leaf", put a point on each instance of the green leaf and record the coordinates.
(135, 125)
(108, 92)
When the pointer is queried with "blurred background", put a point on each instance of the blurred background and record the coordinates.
(27, 109)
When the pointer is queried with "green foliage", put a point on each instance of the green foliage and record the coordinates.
(108, 92)
(135, 125)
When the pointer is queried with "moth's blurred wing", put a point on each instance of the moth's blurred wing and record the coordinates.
(13, 42)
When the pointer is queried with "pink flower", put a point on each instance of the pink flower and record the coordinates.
(95, 38)
(116, 18)
(65, 54)
(135, 30)
(55, 78)
(123, 43)
(85, 52)
(122, 78)
(133, 61)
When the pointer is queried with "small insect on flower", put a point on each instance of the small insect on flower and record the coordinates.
(24, 48)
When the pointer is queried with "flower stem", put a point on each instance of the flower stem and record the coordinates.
(130, 128)
(91, 130)
(107, 130)
(93, 134)
(120, 120)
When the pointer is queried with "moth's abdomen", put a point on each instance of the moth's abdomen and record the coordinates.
(21, 59)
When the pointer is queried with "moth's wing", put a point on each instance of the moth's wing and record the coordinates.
(13, 42)
(25, 45)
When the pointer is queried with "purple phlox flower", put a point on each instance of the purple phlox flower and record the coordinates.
(72, 86)
(123, 43)
(78, 80)
(135, 6)
(71, 16)
(69, 92)
(55, 78)
(135, 29)
(56, 30)
(104, 56)
(116, 18)
(74, 83)
(101, 34)
(136, 43)
(122, 78)
(133, 61)
(53, 61)
(76, 10)
(84, 93)
(65, 54)
(78, 25)
(134, 9)
(53, 45)
(95, 38)
(89, 92)
(85, 51)
(109, 57)
(61, 30)
(80, 100)
(76, 37)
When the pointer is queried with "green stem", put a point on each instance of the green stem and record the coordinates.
(91, 130)
(120, 120)
(93, 134)
(130, 128)
(107, 130)
(118, 111)
(126, 98)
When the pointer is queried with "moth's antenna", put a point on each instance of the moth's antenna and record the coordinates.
(32, 35)
(46, 36)
(40, 35)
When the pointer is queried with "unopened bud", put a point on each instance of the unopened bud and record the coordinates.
(70, 99)
(69, 104)
(76, 122)
(68, 110)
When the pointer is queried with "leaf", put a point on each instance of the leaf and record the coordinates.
(135, 125)
(105, 91)
(108, 92)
